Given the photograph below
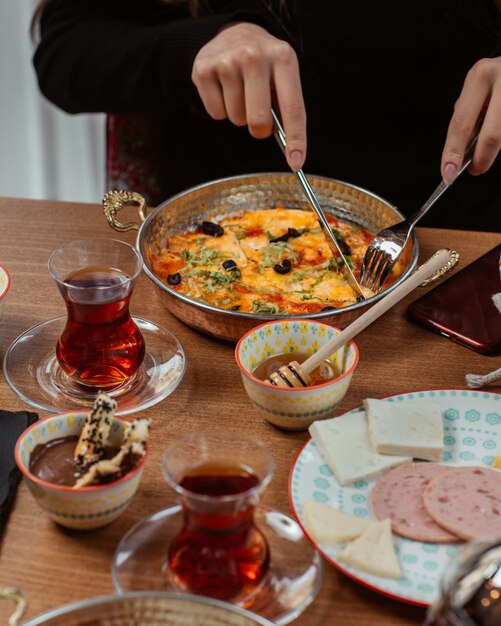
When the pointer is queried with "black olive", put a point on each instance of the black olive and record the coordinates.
(174, 279)
(329, 308)
(212, 229)
(229, 264)
(360, 299)
(284, 267)
(234, 308)
(291, 233)
(345, 248)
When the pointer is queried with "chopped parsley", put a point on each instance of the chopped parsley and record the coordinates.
(275, 252)
(335, 264)
(214, 281)
(265, 307)
(298, 275)
(204, 257)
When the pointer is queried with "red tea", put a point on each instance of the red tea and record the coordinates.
(219, 551)
(101, 346)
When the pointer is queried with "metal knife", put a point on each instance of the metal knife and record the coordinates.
(315, 205)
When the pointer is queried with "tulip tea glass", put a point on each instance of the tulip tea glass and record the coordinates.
(100, 346)
(470, 588)
(219, 551)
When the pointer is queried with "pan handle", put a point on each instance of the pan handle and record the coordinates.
(453, 261)
(114, 201)
(11, 593)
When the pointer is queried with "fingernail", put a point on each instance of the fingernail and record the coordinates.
(450, 173)
(296, 160)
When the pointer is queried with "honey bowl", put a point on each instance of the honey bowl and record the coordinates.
(80, 508)
(294, 408)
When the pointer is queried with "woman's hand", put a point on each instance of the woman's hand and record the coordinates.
(238, 72)
(479, 98)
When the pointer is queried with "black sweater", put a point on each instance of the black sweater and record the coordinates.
(380, 80)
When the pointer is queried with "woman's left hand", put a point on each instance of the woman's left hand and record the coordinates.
(480, 99)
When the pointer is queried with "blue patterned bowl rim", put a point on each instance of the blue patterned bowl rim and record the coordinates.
(3, 271)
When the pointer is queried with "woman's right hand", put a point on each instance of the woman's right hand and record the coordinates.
(240, 71)
(479, 100)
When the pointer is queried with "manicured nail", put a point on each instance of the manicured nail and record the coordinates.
(296, 160)
(450, 173)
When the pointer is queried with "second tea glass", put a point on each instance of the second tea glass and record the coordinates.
(100, 346)
(219, 551)
(470, 587)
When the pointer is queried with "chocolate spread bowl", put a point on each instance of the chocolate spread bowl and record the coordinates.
(229, 196)
(81, 508)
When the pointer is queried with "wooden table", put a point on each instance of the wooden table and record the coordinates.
(53, 566)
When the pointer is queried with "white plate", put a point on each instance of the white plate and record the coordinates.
(472, 436)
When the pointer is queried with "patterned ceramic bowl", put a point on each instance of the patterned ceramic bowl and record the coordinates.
(4, 288)
(295, 408)
(85, 507)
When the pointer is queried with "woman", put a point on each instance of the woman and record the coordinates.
(387, 94)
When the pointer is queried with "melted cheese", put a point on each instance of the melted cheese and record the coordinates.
(294, 275)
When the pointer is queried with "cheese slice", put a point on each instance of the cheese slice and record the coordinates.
(326, 524)
(344, 444)
(373, 551)
(411, 427)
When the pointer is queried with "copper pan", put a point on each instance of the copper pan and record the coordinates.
(229, 196)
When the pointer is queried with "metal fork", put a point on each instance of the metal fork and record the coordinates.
(386, 246)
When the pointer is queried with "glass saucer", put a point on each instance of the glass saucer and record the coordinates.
(32, 371)
(292, 582)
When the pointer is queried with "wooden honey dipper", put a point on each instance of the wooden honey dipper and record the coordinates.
(298, 375)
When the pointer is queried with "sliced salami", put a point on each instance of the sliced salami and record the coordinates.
(399, 496)
(466, 501)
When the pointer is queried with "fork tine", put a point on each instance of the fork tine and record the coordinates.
(367, 265)
(377, 268)
(384, 273)
(372, 269)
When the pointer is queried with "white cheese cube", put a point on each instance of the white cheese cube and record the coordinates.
(411, 427)
(344, 444)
